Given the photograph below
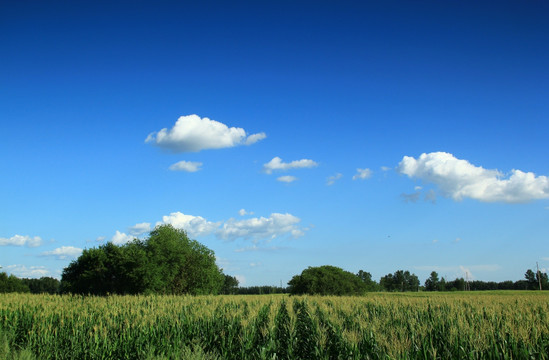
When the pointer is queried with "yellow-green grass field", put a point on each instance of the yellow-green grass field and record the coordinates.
(461, 325)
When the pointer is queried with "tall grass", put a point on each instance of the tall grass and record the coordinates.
(503, 325)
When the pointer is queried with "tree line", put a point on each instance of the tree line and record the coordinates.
(43, 285)
(331, 280)
(168, 262)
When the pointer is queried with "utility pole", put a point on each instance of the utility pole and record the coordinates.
(539, 277)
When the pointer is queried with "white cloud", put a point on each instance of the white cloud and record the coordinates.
(21, 240)
(252, 139)
(460, 179)
(255, 264)
(276, 164)
(192, 133)
(188, 166)
(121, 238)
(332, 179)
(64, 252)
(286, 178)
(243, 212)
(22, 271)
(362, 174)
(261, 228)
(139, 229)
(193, 225)
(385, 168)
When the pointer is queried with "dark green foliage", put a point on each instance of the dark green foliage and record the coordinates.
(431, 284)
(168, 262)
(306, 332)
(326, 280)
(12, 283)
(400, 281)
(534, 279)
(230, 285)
(282, 333)
(366, 278)
(261, 290)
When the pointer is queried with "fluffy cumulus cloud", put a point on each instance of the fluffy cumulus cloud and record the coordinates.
(332, 179)
(286, 178)
(188, 166)
(256, 228)
(139, 229)
(64, 252)
(460, 179)
(192, 133)
(362, 174)
(261, 228)
(21, 240)
(276, 164)
(121, 238)
(193, 225)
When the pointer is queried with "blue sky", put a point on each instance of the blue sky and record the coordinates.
(366, 135)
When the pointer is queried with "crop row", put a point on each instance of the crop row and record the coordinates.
(378, 326)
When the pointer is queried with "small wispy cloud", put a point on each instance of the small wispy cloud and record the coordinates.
(139, 229)
(362, 174)
(188, 166)
(276, 164)
(286, 178)
(332, 179)
(410, 198)
(23, 271)
(243, 212)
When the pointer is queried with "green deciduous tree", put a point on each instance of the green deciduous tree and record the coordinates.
(326, 280)
(167, 262)
(431, 284)
(366, 278)
(400, 281)
(12, 283)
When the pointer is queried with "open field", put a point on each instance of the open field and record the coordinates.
(491, 325)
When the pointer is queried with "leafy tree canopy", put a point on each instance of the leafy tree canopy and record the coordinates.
(400, 281)
(167, 262)
(326, 280)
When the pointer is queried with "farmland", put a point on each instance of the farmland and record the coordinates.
(491, 325)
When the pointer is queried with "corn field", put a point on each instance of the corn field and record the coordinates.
(500, 325)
